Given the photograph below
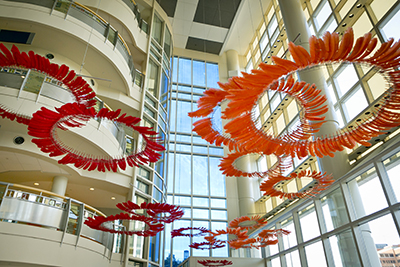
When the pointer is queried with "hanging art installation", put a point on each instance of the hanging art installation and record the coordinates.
(101, 223)
(161, 212)
(244, 92)
(193, 231)
(215, 262)
(153, 222)
(243, 137)
(44, 123)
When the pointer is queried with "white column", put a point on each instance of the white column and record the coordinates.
(59, 185)
(232, 62)
(247, 186)
(295, 24)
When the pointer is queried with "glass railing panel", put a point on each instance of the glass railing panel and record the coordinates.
(57, 93)
(139, 79)
(63, 6)
(89, 18)
(144, 26)
(12, 78)
(124, 52)
(111, 36)
(34, 82)
(73, 215)
(3, 188)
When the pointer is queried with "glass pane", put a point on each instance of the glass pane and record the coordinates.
(217, 181)
(362, 188)
(377, 85)
(380, 233)
(200, 175)
(218, 203)
(185, 71)
(181, 244)
(309, 223)
(157, 29)
(276, 262)
(199, 73)
(152, 78)
(182, 201)
(293, 259)
(322, 15)
(315, 255)
(334, 210)
(183, 123)
(345, 79)
(354, 104)
(290, 239)
(391, 29)
(200, 202)
(199, 239)
(220, 252)
(212, 75)
(344, 249)
(182, 172)
(393, 170)
(167, 42)
(201, 214)
(219, 215)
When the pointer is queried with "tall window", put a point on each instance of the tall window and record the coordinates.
(194, 180)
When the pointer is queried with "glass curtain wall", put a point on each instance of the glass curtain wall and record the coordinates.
(150, 183)
(353, 88)
(194, 180)
(356, 221)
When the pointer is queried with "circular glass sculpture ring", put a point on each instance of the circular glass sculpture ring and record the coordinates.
(79, 88)
(247, 223)
(237, 232)
(228, 166)
(7, 113)
(321, 182)
(257, 243)
(215, 262)
(207, 245)
(204, 127)
(105, 224)
(322, 51)
(180, 232)
(159, 212)
(44, 123)
(272, 233)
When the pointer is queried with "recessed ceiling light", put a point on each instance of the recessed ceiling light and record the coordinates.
(35, 183)
(112, 198)
(91, 189)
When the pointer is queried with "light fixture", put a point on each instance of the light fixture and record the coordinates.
(91, 189)
(112, 198)
(35, 183)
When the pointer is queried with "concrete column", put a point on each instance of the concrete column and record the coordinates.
(295, 24)
(247, 186)
(59, 185)
(232, 62)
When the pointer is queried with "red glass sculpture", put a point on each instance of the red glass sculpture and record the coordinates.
(100, 223)
(44, 123)
(161, 212)
(215, 262)
(201, 231)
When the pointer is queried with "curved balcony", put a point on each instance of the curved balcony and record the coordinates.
(46, 210)
(97, 23)
(22, 90)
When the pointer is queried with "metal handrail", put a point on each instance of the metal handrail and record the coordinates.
(84, 211)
